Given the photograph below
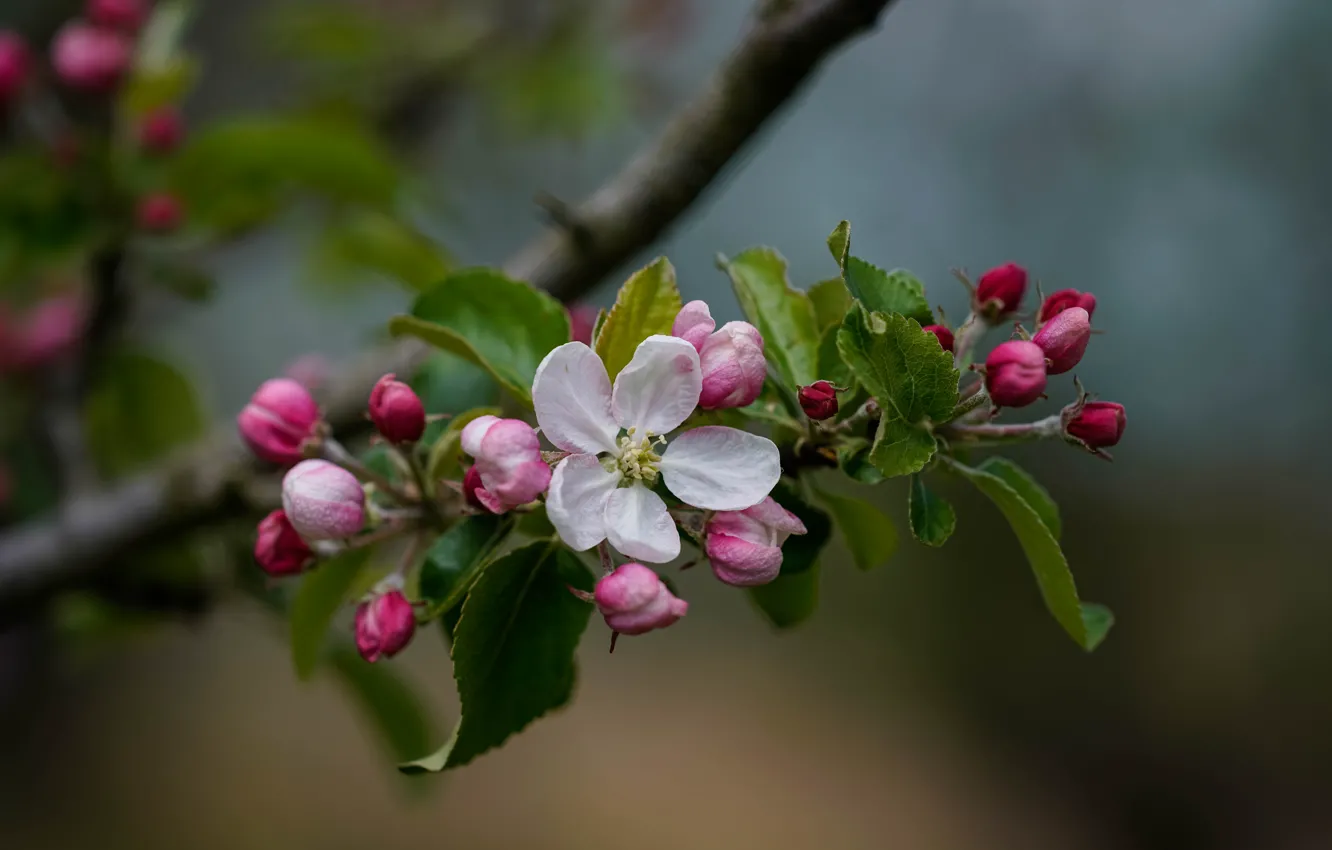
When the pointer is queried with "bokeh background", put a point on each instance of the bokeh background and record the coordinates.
(1170, 157)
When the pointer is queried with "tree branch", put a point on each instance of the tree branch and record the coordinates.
(786, 42)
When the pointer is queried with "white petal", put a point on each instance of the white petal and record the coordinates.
(576, 502)
(639, 525)
(474, 432)
(721, 469)
(572, 396)
(660, 386)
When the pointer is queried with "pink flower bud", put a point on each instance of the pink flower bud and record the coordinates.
(944, 334)
(745, 547)
(508, 462)
(1060, 301)
(634, 600)
(1000, 290)
(161, 131)
(582, 321)
(472, 486)
(1015, 373)
(279, 550)
(323, 500)
(818, 400)
(733, 367)
(159, 212)
(384, 626)
(309, 370)
(90, 57)
(1064, 339)
(51, 330)
(280, 417)
(694, 324)
(1099, 424)
(127, 15)
(14, 62)
(397, 411)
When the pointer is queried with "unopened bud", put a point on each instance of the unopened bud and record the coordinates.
(745, 547)
(634, 600)
(1099, 424)
(1058, 302)
(471, 486)
(694, 324)
(396, 410)
(323, 500)
(944, 335)
(1064, 339)
(279, 549)
(14, 63)
(127, 15)
(582, 321)
(818, 400)
(508, 462)
(1015, 373)
(280, 417)
(1000, 290)
(733, 367)
(384, 625)
(161, 130)
(49, 331)
(89, 57)
(159, 212)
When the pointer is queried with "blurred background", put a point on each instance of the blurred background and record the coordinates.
(1169, 157)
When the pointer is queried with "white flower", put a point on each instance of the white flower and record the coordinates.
(602, 490)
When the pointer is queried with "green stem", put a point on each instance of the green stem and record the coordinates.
(977, 435)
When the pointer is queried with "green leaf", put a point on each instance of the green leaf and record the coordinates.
(839, 242)
(447, 449)
(831, 300)
(647, 304)
(784, 316)
(502, 325)
(1087, 625)
(801, 552)
(322, 592)
(1028, 488)
(788, 600)
(513, 649)
(185, 281)
(853, 458)
(869, 533)
(360, 240)
(387, 700)
(932, 518)
(139, 409)
(149, 89)
(831, 365)
(456, 558)
(911, 377)
(898, 291)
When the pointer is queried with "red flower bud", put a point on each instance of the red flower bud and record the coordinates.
(161, 131)
(471, 484)
(397, 411)
(159, 212)
(1015, 373)
(14, 61)
(944, 334)
(280, 417)
(582, 321)
(1058, 302)
(127, 15)
(384, 626)
(90, 57)
(818, 400)
(279, 550)
(1064, 339)
(1099, 424)
(634, 600)
(1000, 291)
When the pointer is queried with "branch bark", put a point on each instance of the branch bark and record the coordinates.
(784, 45)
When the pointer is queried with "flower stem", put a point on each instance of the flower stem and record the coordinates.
(968, 335)
(975, 400)
(982, 435)
(607, 565)
(335, 452)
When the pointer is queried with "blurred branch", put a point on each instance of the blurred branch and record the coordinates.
(786, 42)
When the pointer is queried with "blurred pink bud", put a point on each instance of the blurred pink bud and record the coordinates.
(14, 62)
(1099, 424)
(309, 370)
(279, 550)
(397, 411)
(127, 15)
(323, 500)
(818, 400)
(1000, 290)
(280, 417)
(1060, 301)
(944, 334)
(508, 461)
(733, 367)
(384, 626)
(634, 600)
(745, 547)
(1064, 339)
(50, 330)
(161, 130)
(472, 486)
(1015, 373)
(694, 324)
(89, 57)
(582, 321)
(159, 212)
